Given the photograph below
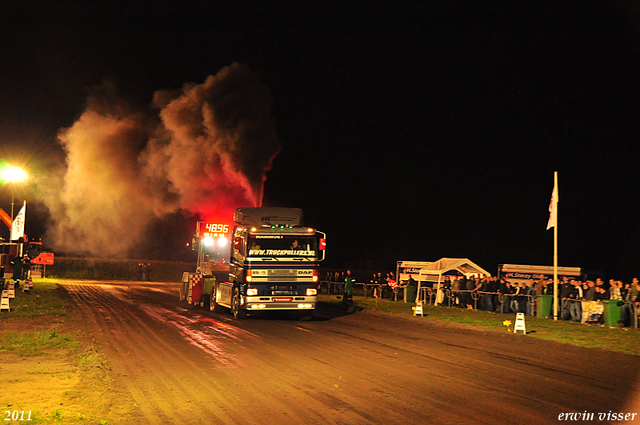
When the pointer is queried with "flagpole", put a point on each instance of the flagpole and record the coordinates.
(555, 248)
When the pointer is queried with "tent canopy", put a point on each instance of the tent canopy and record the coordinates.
(433, 272)
(447, 265)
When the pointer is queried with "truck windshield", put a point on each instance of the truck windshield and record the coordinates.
(282, 246)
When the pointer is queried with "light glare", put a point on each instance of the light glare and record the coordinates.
(14, 174)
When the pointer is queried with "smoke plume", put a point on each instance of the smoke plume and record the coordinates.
(207, 152)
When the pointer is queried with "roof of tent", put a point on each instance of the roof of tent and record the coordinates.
(463, 265)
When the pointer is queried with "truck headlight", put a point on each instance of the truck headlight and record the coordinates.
(252, 292)
(311, 291)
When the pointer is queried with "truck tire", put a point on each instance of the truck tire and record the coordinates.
(238, 313)
(213, 304)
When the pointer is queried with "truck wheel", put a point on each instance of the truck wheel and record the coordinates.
(213, 304)
(238, 313)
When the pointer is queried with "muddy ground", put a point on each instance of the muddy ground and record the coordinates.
(154, 360)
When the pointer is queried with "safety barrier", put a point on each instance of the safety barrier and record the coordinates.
(474, 296)
(426, 294)
(528, 300)
(377, 288)
(333, 288)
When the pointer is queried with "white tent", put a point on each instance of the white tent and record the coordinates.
(433, 272)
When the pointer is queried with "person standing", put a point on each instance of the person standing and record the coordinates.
(347, 298)
(490, 297)
(530, 292)
(17, 270)
(615, 290)
(335, 281)
(381, 283)
(471, 287)
(566, 290)
(509, 291)
(26, 266)
(632, 303)
(327, 278)
(576, 303)
(516, 292)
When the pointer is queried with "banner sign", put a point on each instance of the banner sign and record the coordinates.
(45, 258)
(534, 276)
(281, 252)
(17, 227)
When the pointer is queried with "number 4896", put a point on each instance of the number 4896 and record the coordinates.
(17, 415)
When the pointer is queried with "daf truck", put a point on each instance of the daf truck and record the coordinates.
(267, 260)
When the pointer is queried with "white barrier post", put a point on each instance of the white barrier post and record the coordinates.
(520, 328)
(4, 304)
(417, 310)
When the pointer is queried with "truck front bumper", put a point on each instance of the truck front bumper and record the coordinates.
(280, 303)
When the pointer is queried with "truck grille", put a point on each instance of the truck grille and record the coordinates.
(282, 290)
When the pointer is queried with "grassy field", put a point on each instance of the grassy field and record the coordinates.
(36, 343)
(46, 298)
(613, 339)
(55, 376)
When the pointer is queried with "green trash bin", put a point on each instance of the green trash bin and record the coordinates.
(410, 294)
(543, 304)
(612, 312)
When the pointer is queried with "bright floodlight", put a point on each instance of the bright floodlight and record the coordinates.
(208, 241)
(13, 174)
(222, 241)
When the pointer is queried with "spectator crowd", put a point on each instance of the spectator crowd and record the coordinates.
(379, 285)
(578, 301)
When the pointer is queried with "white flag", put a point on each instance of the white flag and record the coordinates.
(17, 227)
(553, 209)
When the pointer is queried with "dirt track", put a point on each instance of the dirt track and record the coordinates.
(184, 365)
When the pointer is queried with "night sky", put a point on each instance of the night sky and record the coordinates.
(408, 131)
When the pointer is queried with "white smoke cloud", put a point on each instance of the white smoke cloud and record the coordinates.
(207, 154)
